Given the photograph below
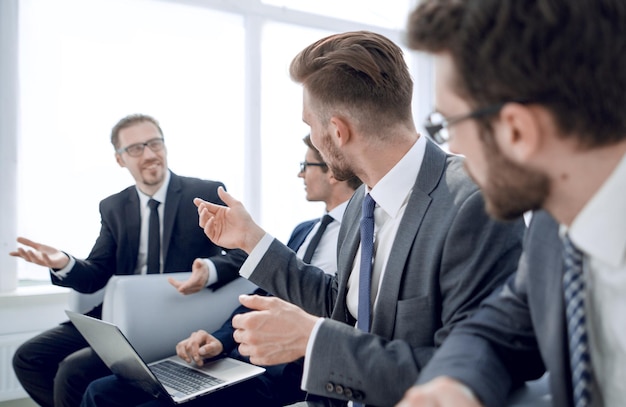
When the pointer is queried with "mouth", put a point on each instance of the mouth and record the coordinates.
(152, 166)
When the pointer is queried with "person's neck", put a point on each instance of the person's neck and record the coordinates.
(577, 177)
(338, 198)
(377, 159)
(149, 190)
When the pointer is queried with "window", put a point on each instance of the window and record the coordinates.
(181, 64)
(214, 73)
(391, 14)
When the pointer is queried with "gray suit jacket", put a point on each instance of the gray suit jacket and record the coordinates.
(447, 256)
(517, 330)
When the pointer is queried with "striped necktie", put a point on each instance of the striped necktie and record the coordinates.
(574, 294)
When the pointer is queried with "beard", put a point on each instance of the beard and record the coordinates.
(510, 189)
(335, 160)
(153, 176)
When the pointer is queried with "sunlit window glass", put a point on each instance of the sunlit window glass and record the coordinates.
(389, 14)
(86, 64)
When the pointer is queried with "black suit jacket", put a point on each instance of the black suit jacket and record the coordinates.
(115, 251)
(518, 331)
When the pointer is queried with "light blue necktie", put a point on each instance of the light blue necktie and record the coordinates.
(365, 272)
(574, 293)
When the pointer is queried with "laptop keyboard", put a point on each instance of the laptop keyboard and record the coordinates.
(183, 378)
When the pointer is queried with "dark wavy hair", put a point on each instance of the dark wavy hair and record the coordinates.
(566, 55)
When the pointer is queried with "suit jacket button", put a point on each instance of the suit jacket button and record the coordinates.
(358, 395)
(347, 392)
(330, 387)
(339, 389)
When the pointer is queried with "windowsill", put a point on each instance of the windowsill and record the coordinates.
(32, 308)
(38, 290)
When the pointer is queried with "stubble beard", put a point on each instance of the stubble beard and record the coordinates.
(511, 190)
(336, 160)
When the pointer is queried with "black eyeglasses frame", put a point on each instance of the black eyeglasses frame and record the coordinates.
(305, 164)
(434, 130)
(155, 144)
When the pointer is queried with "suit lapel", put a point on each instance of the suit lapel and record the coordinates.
(430, 173)
(132, 213)
(545, 288)
(295, 243)
(172, 201)
(347, 244)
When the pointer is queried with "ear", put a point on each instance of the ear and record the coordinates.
(331, 178)
(518, 133)
(119, 160)
(341, 130)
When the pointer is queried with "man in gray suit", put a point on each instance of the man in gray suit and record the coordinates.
(533, 94)
(437, 254)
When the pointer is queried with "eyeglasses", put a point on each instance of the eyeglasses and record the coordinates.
(437, 125)
(305, 164)
(136, 150)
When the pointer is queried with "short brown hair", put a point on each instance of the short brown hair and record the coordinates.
(128, 121)
(567, 55)
(353, 182)
(362, 72)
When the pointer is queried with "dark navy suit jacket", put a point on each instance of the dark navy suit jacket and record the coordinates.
(225, 333)
(281, 382)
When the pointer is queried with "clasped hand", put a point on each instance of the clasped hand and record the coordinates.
(274, 332)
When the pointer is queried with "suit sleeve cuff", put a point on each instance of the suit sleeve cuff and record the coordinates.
(212, 272)
(254, 258)
(309, 351)
(62, 273)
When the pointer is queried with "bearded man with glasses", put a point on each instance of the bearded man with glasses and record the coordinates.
(56, 366)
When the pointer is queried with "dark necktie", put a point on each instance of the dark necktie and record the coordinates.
(154, 239)
(310, 250)
(574, 293)
(365, 272)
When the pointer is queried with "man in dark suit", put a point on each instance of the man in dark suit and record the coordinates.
(56, 366)
(437, 254)
(315, 241)
(532, 93)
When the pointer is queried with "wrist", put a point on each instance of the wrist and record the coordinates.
(252, 239)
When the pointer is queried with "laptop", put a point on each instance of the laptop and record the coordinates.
(171, 377)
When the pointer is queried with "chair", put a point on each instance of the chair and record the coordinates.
(80, 302)
(155, 317)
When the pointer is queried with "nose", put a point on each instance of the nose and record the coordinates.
(147, 152)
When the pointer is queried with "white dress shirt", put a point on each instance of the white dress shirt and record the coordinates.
(599, 231)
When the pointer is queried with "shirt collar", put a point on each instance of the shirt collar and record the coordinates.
(600, 228)
(392, 190)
